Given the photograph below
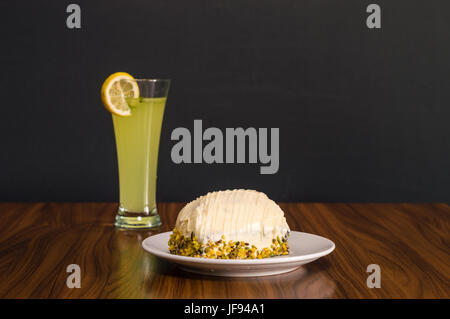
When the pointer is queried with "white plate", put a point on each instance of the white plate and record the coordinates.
(303, 248)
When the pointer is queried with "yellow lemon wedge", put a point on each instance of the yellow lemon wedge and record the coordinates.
(116, 88)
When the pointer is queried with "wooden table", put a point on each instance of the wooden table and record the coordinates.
(410, 242)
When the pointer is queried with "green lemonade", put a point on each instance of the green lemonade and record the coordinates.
(137, 141)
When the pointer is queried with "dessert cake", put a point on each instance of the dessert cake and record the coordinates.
(231, 224)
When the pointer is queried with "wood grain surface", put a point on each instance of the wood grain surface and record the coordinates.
(410, 242)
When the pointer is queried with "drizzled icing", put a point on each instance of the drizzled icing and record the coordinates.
(239, 215)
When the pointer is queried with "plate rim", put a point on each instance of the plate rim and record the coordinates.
(263, 261)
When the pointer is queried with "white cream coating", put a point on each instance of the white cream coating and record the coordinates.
(240, 215)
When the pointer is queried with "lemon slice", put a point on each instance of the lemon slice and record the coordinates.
(115, 89)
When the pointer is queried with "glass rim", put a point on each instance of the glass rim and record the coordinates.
(150, 80)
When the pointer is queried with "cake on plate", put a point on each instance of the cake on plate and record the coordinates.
(231, 224)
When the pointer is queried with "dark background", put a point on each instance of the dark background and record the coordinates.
(363, 113)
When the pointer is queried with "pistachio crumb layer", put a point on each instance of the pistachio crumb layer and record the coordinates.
(223, 249)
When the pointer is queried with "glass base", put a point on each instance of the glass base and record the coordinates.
(129, 220)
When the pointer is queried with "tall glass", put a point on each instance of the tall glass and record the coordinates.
(137, 143)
